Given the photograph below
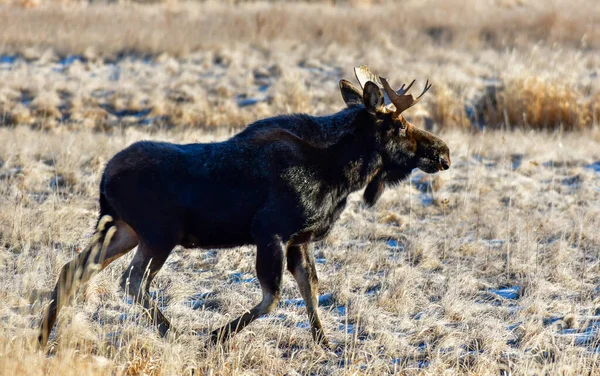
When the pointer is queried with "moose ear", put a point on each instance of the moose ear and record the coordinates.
(351, 94)
(373, 97)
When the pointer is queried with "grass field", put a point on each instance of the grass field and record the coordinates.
(491, 267)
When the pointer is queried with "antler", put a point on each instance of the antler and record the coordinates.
(400, 99)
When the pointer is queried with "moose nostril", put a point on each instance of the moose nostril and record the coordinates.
(445, 162)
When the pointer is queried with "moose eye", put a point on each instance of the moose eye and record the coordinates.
(401, 131)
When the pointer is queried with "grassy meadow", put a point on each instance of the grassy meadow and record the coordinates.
(489, 268)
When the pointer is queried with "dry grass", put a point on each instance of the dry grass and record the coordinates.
(516, 209)
(182, 27)
(232, 86)
(209, 64)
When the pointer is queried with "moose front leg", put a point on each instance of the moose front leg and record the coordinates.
(301, 263)
(269, 269)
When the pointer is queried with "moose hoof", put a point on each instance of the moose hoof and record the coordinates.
(217, 337)
(41, 342)
(171, 333)
(324, 342)
(221, 336)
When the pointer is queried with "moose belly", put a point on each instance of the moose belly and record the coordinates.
(218, 216)
(215, 234)
(218, 224)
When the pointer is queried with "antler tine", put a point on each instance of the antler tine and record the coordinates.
(427, 87)
(403, 91)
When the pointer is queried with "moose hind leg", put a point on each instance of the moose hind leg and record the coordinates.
(111, 241)
(301, 263)
(269, 269)
(136, 281)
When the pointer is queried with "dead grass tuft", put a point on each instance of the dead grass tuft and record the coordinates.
(543, 104)
(448, 108)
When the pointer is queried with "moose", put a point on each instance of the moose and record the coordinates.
(279, 184)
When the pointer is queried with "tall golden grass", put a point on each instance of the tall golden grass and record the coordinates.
(179, 28)
(530, 102)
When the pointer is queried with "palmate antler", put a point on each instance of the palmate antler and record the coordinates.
(399, 99)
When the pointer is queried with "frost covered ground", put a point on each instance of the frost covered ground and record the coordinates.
(492, 265)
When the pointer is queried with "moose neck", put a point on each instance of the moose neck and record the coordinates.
(343, 122)
(354, 159)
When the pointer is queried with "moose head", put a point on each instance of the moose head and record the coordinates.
(403, 146)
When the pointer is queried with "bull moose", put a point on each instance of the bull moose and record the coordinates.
(279, 184)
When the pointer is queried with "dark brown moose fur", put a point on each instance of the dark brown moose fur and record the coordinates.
(279, 184)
